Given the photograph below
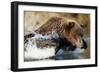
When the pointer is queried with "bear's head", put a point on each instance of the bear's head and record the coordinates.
(71, 30)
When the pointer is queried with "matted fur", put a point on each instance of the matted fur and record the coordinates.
(68, 29)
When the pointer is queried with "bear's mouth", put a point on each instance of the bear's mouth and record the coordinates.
(67, 45)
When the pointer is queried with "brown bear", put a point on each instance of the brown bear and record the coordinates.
(70, 37)
(67, 29)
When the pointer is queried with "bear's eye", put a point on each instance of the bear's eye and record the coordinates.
(83, 25)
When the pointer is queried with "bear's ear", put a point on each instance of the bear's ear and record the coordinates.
(69, 25)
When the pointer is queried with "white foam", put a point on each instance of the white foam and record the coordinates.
(33, 52)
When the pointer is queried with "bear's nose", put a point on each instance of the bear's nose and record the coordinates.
(84, 45)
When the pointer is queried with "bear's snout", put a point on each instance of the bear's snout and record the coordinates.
(84, 44)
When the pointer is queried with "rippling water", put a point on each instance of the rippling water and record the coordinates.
(34, 52)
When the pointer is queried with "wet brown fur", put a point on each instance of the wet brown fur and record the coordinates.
(68, 29)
